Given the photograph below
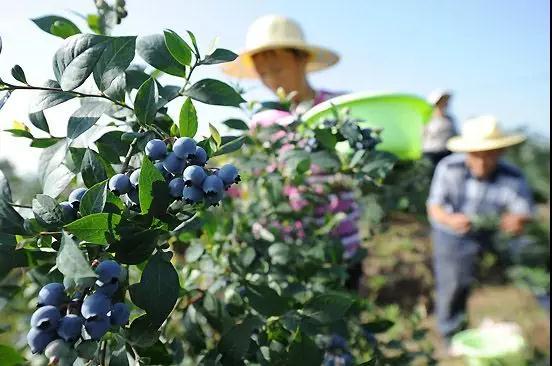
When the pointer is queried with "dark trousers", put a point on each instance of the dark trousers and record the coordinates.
(454, 261)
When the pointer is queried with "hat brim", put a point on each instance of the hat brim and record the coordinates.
(319, 58)
(461, 144)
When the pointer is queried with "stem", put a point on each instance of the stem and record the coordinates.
(129, 155)
(49, 232)
(78, 94)
(103, 348)
(17, 205)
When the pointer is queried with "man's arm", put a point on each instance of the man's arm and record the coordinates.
(458, 222)
(520, 209)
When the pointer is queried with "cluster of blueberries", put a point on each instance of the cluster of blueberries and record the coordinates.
(60, 321)
(184, 170)
(337, 353)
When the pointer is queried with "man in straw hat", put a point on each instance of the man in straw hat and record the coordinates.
(440, 128)
(277, 53)
(474, 183)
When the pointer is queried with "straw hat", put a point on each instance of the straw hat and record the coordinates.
(436, 95)
(272, 32)
(482, 134)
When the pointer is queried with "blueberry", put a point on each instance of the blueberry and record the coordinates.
(229, 174)
(119, 314)
(97, 326)
(337, 342)
(212, 185)
(52, 294)
(38, 339)
(45, 318)
(70, 327)
(95, 305)
(200, 157)
(173, 164)
(135, 178)
(185, 148)
(162, 170)
(75, 197)
(119, 184)
(175, 187)
(108, 271)
(194, 175)
(58, 350)
(107, 289)
(213, 199)
(156, 149)
(192, 195)
(134, 197)
(68, 211)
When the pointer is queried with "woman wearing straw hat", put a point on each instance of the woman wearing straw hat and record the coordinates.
(440, 128)
(475, 182)
(277, 53)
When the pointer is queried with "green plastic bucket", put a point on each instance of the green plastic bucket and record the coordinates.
(401, 117)
(490, 347)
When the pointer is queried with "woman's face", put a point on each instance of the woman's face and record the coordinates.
(281, 68)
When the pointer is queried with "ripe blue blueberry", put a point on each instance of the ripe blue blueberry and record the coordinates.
(156, 149)
(97, 326)
(134, 197)
(160, 166)
(107, 289)
(173, 164)
(229, 174)
(120, 314)
(95, 305)
(337, 342)
(38, 339)
(68, 211)
(70, 327)
(192, 195)
(175, 187)
(212, 185)
(108, 271)
(135, 178)
(75, 197)
(52, 294)
(194, 175)
(119, 184)
(46, 318)
(184, 148)
(200, 157)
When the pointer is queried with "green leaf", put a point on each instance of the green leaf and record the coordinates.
(92, 169)
(118, 352)
(215, 92)
(178, 48)
(215, 135)
(10, 257)
(135, 247)
(39, 121)
(158, 289)
(50, 98)
(84, 54)
(87, 349)
(236, 124)
(279, 253)
(64, 29)
(231, 146)
(154, 191)
(153, 50)
(94, 199)
(111, 146)
(85, 117)
(117, 88)
(303, 351)
(265, 300)
(5, 190)
(235, 342)
(70, 261)
(18, 74)
(219, 56)
(145, 102)
(378, 326)
(326, 138)
(187, 121)
(327, 161)
(143, 331)
(10, 357)
(47, 212)
(213, 309)
(20, 133)
(99, 228)
(10, 220)
(43, 143)
(194, 42)
(328, 308)
(194, 252)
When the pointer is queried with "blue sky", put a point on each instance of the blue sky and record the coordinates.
(494, 55)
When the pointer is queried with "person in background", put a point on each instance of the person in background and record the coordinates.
(439, 129)
(278, 55)
(473, 183)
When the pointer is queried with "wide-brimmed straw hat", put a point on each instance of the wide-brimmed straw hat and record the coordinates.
(275, 32)
(483, 133)
(436, 95)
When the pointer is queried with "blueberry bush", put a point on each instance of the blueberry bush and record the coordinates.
(141, 248)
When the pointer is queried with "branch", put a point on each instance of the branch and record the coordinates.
(17, 205)
(129, 155)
